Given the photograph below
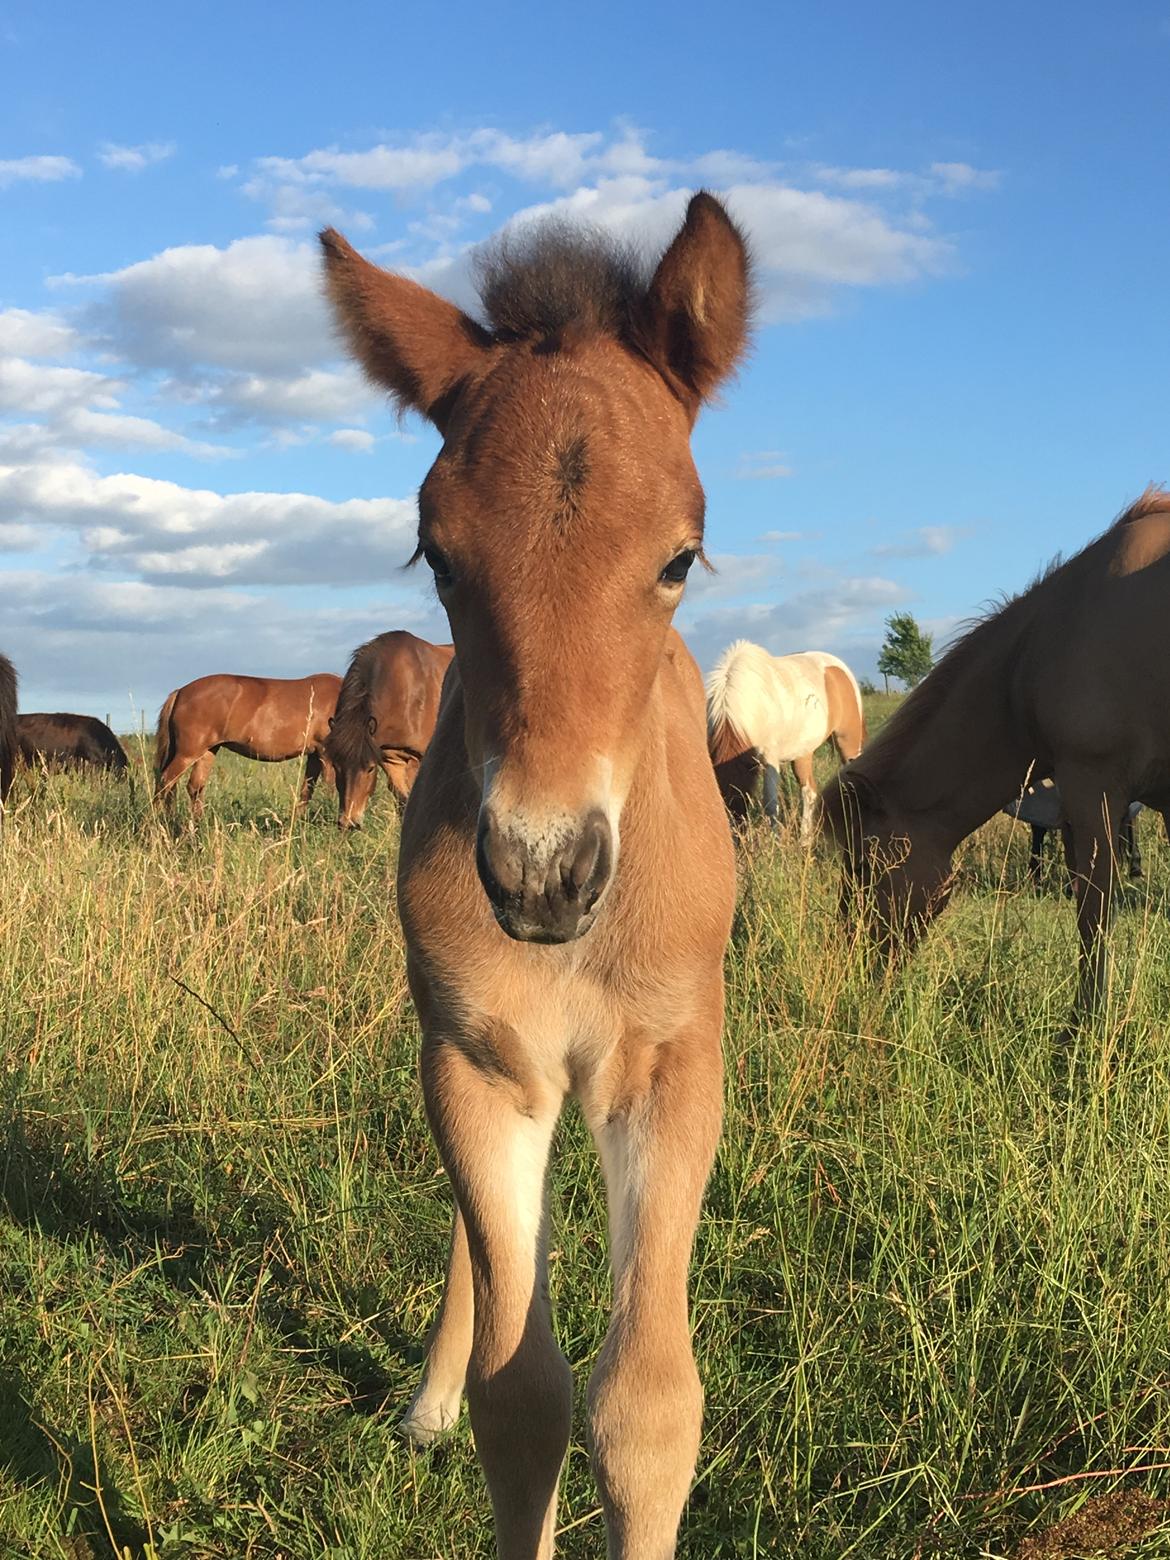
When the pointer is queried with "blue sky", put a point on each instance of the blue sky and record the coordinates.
(960, 215)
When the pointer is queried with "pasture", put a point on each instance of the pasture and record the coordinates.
(931, 1288)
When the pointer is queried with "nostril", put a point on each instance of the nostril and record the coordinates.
(583, 863)
(500, 861)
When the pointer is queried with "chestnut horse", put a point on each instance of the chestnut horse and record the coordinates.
(386, 713)
(62, 741)
(267, 718)
(566, 876)
(766, 710)
(9, 747)
(1070, 680)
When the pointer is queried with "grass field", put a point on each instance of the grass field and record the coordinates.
(931, 1289)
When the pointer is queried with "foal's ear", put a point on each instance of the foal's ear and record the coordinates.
(409, 340)
(697, 310)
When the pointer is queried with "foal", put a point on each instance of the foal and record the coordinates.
(567, 791)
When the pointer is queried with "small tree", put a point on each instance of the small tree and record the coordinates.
(906, 653)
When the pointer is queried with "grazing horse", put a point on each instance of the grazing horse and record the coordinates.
(62, 741)
(1040, 807)
(9, 748)
(765, 710)
(1071, 680)
(566, 875)
(267, 718)
(386, 713)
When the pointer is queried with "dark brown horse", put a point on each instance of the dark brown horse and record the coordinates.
(9, 748)
(385, 718)
(566, 878)
(1070, 680)
(61, 741)
(266, 718)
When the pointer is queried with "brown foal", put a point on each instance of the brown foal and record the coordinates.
(567, 791)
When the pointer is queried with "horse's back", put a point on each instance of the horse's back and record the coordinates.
(259, 717)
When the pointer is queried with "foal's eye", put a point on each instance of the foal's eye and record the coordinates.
(676, 570)
(438, 565)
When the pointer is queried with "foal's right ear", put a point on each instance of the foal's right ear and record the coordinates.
(409, 340)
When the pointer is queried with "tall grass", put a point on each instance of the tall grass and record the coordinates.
(931, 1286)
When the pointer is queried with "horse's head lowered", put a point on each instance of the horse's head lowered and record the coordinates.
(559, 519)
(897, 866)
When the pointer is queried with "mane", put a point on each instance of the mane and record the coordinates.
(1154, 501)
(1014, 610)
(349, 741)
(542, 278)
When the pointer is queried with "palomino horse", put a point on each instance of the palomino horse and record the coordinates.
(566, 877)
(767, 710)
(267, 718)
(62, 741)
(9, 747)
(1069, 680)
(386, 713)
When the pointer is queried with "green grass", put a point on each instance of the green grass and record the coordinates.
(933, 1272)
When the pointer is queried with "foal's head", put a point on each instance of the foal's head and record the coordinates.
(559, 519)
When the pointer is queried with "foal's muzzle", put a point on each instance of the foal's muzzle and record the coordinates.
(541, 892)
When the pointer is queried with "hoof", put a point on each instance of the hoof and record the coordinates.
(425, 1421)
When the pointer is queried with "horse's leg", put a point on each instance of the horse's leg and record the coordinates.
(802, 768)
(772, 794)
(1129, 846)
(314, 769)
(494, 1131)
(1094, 820)
(168, 781)
(435, 1405)
(196, 780)
(656, 1136)
(1036, 856)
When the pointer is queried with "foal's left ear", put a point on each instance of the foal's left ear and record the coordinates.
(409, 340)
(697, 310)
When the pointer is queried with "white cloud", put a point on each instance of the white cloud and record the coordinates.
(928, 541)
(254, 305)
(38, 388)
(133, 159)
(772, 537)
(318, 394)
(162, 530)
(956, 177)
(120, 646)
(356, 440)
(860, 178)
(831, 616)
(37, 334)
(762, 466)
(39, 170)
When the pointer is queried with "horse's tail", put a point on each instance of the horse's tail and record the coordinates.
(165, 739)
(861, 732)
(735, 756)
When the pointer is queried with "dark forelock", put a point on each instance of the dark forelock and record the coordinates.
(542, 278)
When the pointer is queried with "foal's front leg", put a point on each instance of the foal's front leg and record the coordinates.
(435, 1406)
(656, 1135)
(494, 1132)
